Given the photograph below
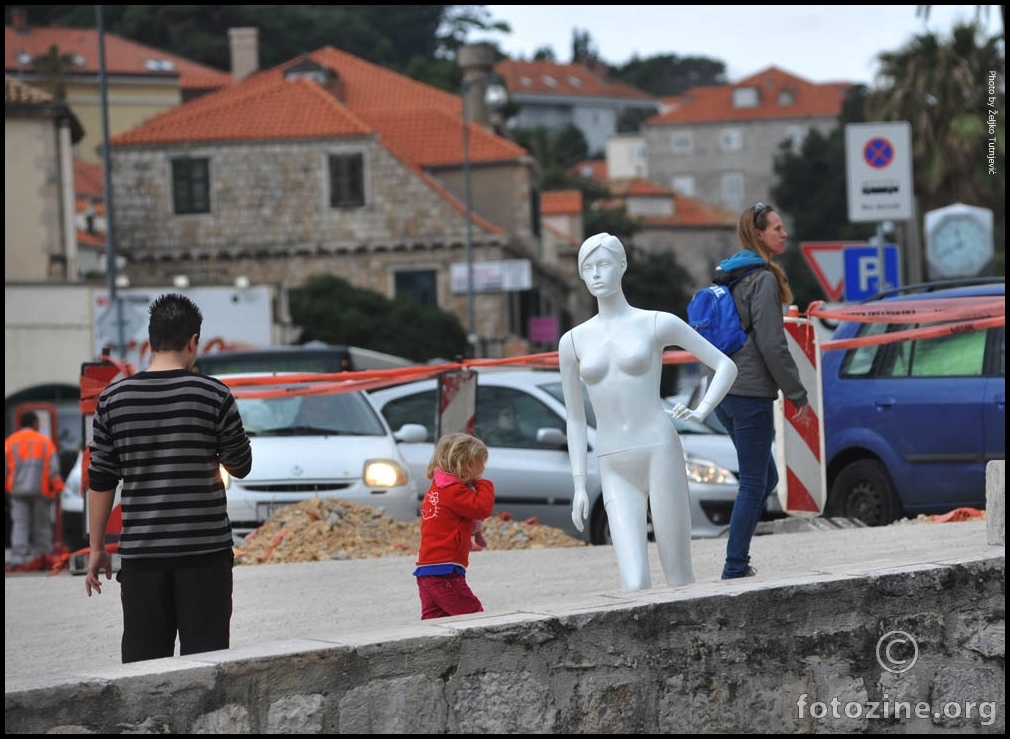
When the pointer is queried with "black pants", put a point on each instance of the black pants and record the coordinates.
(188, 596)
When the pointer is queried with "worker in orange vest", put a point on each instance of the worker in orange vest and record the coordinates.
(32, 480)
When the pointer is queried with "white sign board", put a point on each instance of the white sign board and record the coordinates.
(488, 277)
(878, 167)
(232, 317)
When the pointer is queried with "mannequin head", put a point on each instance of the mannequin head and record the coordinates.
(602, 264)
(605, 241)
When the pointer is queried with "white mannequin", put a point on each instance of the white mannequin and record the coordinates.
(619, 355)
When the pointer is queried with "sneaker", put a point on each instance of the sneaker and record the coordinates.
(749, 572)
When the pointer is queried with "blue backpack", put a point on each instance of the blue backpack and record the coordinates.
(712, 313)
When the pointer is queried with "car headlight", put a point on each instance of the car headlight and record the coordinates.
(383, 473)
(706, 471)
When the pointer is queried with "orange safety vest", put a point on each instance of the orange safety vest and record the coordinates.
(28, 444)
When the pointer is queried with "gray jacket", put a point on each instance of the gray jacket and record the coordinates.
(764, 364)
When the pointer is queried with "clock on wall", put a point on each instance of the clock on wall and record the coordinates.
(959, 241)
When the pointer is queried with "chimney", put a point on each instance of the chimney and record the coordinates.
(19, 19)
(245, 52)
(477, 62)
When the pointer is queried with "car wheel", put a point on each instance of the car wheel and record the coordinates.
(863, 490)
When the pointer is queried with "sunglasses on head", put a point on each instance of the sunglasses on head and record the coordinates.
(759, 208)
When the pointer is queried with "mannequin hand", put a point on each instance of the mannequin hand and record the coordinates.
(682, 413)
(580, 508)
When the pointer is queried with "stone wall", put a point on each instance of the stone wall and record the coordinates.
(781, 657)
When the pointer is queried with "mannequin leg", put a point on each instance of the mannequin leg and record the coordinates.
(671, 517)
(627, 516)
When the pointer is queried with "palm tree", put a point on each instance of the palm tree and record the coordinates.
(941, 89)
(922, 11)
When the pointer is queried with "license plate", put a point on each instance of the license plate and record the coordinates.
(265, 511)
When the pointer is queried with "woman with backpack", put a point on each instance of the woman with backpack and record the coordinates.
(764, 366)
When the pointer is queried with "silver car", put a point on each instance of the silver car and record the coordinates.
(529, 462)
(327, 443)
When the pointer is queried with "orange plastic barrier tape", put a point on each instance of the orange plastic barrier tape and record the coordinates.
(915, 311)
(925, 332)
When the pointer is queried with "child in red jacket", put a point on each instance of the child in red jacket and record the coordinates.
(456, 503)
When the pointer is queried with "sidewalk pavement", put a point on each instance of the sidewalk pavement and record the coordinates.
(52, 630)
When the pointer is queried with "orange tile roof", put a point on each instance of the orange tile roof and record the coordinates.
(90, 241)
(551, 78)
(591, 169)
(419, 124)
(89, 179)
(692, 213)
(18, 92)
(687, 212)
(636, 186)
(83, 204)
(561, 202)
(715, 104)
(122, 56)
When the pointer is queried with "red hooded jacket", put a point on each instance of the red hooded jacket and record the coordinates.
(447, 515)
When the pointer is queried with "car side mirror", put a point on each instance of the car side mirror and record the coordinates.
(552, 437)
(411, 433)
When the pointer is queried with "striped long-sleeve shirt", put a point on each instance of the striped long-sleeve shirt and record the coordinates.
(164, 435)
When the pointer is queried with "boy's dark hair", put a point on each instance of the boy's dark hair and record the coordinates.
(174, 319)
(29, 418)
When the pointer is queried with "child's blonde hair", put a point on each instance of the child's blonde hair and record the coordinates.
(455, 453)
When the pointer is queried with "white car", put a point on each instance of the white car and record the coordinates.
(72, 508)
(327, 443)
(531, 471)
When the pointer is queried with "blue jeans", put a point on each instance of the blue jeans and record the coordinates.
(751, 425)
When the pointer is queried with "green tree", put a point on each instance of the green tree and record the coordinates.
(54, 66)
(940, 87)
(668, 74)
(556, 151)
(584, 50)
(330, 309)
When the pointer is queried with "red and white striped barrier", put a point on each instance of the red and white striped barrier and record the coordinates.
(799, 446)
(457, 402)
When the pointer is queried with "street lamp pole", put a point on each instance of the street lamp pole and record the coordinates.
(481, 91)
(468, 201)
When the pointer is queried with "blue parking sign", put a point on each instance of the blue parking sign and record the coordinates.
(864, 275)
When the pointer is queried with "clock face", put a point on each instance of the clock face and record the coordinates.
(959, 247)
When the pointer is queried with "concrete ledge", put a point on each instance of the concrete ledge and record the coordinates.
(723, 657)
(995, 502)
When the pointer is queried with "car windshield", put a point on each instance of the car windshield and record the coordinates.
(298, 414)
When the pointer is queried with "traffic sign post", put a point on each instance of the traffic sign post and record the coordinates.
(878, 168)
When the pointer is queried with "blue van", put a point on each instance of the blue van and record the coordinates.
(910, 425)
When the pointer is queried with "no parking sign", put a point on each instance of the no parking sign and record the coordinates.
(878, 164)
